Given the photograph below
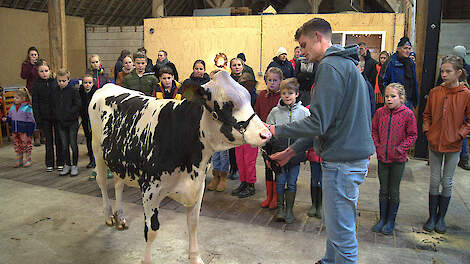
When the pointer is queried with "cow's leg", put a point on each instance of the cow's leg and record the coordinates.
(101, 179)
(192, 214)
(121, 222)
(151, 198)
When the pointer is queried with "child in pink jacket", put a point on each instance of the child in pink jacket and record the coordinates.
(394, 132)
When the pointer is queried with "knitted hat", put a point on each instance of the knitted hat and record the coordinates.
(404, 41)
(281, 51)
(460, 51)
(241, 56)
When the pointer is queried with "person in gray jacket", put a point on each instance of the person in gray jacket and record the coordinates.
(339, 126)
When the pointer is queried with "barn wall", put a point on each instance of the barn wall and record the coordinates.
(109, 41)
(189, 38)
(22, 29)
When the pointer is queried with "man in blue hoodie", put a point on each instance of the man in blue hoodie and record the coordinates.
(339, 127)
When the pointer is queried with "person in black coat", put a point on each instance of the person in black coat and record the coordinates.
(281, 62)
(118, 65)
(163, 61)
(67, 108)
(370, 71)
(305, 73)
(199, 74)
(149, 67)
(44, 89)
(86, 91)
(361, 67)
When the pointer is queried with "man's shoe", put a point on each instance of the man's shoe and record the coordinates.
(49, 169)
(463, 162)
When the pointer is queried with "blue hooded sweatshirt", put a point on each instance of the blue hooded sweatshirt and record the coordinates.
(339, 125)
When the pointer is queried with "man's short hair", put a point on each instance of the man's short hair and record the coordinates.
(165, 69)
(139, 55)
(164, 52)
(314, 24)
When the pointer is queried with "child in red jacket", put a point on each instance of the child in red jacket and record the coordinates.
(266, 101)
(394, 131)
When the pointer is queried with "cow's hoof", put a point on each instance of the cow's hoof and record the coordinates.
(196, 259)
(110, 221)
(120, 221)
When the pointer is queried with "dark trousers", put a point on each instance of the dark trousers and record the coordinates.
(68, 135)
(390, 175)
(87, 131)
(51, 132)
(233, 160)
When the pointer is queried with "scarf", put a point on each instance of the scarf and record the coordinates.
(410, 81)
(160, 64)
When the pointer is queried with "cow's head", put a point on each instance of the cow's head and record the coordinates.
(228, 119)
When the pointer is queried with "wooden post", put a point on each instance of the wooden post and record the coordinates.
(315, 4)
(158, 7)
(57, 47)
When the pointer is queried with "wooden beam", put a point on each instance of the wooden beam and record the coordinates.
(14, 4)
(68, 6)
(106, 12)
(118, 7)
(211, 3)
(226, 4)
(158, 8)
(315, 4)
(95, 16)
(29, 5)
(43, 6)
(77, 9)
(119, 17)
(57, 30)
(131, 16)
(147, 13)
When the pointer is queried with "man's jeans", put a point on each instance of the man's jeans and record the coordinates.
(289, 176)
(341, 182)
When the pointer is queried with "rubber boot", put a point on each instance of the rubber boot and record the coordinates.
(391, 216)
(273, 203)
(223, 178)
(319, 213)
(431, 222)
(19, 160)
(383, 207)
(290, 199)
(443, 205)
(215, 181)
(269, 194)
(28, 160)
(463, 162)
(281, 210)
(313, 195)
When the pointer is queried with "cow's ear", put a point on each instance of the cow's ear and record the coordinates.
(192, 91)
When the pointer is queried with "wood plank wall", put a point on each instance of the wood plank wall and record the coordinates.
(108, 42)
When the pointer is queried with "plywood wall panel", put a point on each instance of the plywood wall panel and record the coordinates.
(189, 38)
(22, 29)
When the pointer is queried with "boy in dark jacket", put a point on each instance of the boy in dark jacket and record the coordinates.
(86, 91)
(67, 109)
(138, 79)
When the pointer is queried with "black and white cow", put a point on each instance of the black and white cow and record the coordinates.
(163, 146)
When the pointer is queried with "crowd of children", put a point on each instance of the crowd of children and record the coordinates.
(57, 104)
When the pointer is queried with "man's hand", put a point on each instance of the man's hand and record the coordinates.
(283, 157)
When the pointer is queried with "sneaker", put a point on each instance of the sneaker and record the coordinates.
(65, 171)
(60, 167)
(239, 189)
(49, 169)
(74, 171)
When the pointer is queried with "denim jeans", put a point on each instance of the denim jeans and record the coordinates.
(442, 176)
(464, 151)
(341, 182)
(315, 174)
(289, 176)
(68, 135)
(220, 161)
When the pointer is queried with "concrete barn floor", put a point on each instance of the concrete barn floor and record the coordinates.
(45, 218)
